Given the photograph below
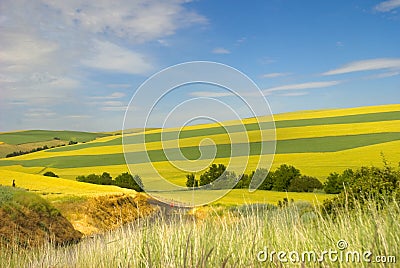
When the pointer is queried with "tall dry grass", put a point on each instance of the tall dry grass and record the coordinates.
(226, 237)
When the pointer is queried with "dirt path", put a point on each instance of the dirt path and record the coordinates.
(168, 210)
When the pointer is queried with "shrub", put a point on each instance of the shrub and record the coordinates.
(213, 173)
(283, 176)
(304, 184)
(126, 180)
(50, 174)
(335, 183)
(368, 184)
(191, 181)
(268, 177)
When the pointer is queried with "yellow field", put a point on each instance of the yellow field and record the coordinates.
(297, 115)
(243, 196)
(313, 164)
(57, 188)
(240, 197)
(252, 136)
(337, 112)
(319, 165)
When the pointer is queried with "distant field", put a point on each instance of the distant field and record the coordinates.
(307, 145)
(243, 196)
(57, 188)
(29, 136)
(316, 142)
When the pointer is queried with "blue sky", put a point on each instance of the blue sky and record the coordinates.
(68, 65)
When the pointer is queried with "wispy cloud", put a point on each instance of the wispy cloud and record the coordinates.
(49, 50)
(339, 44)
(301, 86)
(119, 85)
(293, 94)
(111, 57)
(211, 94)
(78, 116)
(383, 75)
(220, 50)
(114, 108)
(274, 75)
(366, 65)
(137, 21)
(114, 95)
(387, 6)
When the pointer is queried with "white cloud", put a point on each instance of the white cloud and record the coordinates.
(114, 95)
(44, 44)
(294, 94)
(367, 65)
(111, 57)
(339, 44)
(138, 21)
(384, 75)
(211, 94)
(274, 75)
(387, 6)
(39, 113)
(114, 108)
(309, 85)
(24, 49)
(78, 116)
(220, 50)
(119, 85)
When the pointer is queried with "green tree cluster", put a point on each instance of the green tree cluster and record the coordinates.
(50, 174)
(381, 186)
(285, 178)
(124, 180)
(335, 182)
(216, 177)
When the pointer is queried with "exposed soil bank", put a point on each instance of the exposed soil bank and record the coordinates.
(102, 213)
(27, 220)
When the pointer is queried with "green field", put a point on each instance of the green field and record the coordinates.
(316, 142)
(308, 145)
(30, 136)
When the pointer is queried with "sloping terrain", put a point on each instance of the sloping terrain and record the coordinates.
(28, 140)
(29, 220)
(317, 142)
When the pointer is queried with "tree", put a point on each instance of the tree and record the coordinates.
(335, 183)
(191, 181)
(213, 173)
(50, 174)
(304, 184)
(283, 177)
(227, 180)
(244, 181)
(381, 186)
(267, 177)
(126, 180)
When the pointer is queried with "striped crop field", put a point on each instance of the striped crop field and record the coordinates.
(316, 142)
(57, 188)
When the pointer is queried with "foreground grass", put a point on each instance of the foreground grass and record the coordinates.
(227, 238)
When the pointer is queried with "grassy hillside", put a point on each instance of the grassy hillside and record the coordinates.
(46, 135)
(55, 189)
(316, 142)
(28, 140)
(27, 219)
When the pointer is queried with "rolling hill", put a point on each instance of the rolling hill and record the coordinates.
(316, 142)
